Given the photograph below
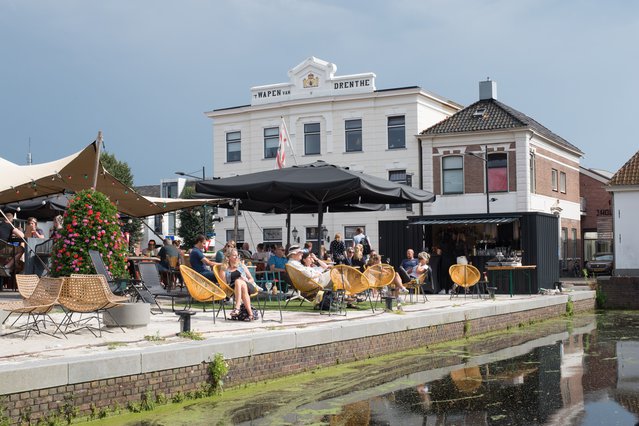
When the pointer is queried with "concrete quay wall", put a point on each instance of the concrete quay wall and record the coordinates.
(105, 380)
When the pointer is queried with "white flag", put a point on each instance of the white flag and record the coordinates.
(281, 148)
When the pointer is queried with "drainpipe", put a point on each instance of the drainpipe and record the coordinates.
(420, 162)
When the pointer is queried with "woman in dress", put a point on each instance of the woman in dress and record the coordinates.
(239, 278)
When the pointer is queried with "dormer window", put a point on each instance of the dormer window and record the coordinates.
(479, 112)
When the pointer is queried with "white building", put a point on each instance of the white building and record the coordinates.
(343, 120)
(624, 186)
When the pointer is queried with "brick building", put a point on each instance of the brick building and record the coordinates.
(596, 213)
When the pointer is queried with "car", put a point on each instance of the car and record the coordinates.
(601, 264)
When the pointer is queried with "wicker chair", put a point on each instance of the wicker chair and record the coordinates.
(379, 276)
(37, 306)
(27, 284)
(88, 294)
(351, 281)
(221, 281)
(305, 287)
(464, 276)
(202, 290)
(416, 285)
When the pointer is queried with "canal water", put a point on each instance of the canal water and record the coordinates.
(573, 371)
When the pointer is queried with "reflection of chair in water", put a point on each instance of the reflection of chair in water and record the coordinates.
(464, 276)
(351, 281)
(467, 380)
(305, 288)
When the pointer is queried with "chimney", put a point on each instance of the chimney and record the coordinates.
(487, 89)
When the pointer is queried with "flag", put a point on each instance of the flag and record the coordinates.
(281, 148)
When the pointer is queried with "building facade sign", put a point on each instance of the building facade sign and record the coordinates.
(313, 78)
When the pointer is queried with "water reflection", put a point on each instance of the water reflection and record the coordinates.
(583, 371)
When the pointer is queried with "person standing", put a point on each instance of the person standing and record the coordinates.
(32, 230)
(337, 249)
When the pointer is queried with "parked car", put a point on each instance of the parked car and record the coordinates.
(601, 264)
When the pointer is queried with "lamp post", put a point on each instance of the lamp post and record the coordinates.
(485, 160)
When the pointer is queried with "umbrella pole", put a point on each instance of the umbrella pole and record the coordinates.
(320, 218)
(97, 158)
(288, 229)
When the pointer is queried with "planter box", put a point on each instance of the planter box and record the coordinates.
(128, 315)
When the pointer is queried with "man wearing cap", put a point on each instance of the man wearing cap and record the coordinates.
(321, 275)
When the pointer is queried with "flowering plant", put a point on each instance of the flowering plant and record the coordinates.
(90, 223)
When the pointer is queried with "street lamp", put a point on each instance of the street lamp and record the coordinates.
(295, 233)
(485, 160)
(325, 234)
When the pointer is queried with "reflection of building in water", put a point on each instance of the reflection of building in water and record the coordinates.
(627, 391)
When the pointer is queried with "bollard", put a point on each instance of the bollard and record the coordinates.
(389, 302)
(491, 292)
(185, 320)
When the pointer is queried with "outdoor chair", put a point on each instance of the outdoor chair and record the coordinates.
(37, 306)
(464, 276)
(379, 277)
(149, 289)
(117, 285)
(416, 285)
(305, 288)
(174, 276)
(351, 282)
(88, 294)
(26, 284)
(202, 290)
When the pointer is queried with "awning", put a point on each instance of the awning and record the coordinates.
(490, 220)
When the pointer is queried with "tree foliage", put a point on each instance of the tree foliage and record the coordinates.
(122, 172)
(191, 220)
(90, 223)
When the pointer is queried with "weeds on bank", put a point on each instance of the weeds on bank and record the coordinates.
(114, 345)
(154, 338)
(570, 307)
(193, 335)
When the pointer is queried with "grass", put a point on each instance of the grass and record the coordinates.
(272, 305)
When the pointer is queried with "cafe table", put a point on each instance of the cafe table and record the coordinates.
(509, 270)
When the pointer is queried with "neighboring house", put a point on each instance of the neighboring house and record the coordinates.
(164, 224)
(596, 212)
(624, 186)
(526, 168)
(343, 120)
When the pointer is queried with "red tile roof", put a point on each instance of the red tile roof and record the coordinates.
(628, 174)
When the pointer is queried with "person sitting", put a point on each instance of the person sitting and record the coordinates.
(407, 265)
(239, 278)
(219, 256)
(32, 230)
(358, 257)
(151, 249)
(376, 259)
(421, 267)
(277, 263)
(199, 262)
(167, 250)
(308, 247)
(305, 263)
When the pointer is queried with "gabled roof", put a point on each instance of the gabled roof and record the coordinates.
(490, 114)
(628, 174)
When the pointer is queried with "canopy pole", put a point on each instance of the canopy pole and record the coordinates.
(97, 159)
(320, 219)
(288, 228)
(236, 210)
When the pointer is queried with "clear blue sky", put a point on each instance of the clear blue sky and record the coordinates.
(145, 71)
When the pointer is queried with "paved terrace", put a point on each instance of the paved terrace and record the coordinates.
(43, 361)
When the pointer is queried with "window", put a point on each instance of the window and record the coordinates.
(230, 235)
(453, 175)
(353, 135)
(272, 235)
(533, 184)
(564, 243)
(233, 147)
(498, 172)
(157, 223)
(554, 180)
(562, 182)
(311, 233)
(171, 230)
(271, 141)
(170, 190)
(396, 132)
(400, 176)
(573, 232)
(349, 233)
(312, 139)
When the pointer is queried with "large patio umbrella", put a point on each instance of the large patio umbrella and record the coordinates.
(311, 188)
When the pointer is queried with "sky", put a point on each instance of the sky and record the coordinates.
(145, 71)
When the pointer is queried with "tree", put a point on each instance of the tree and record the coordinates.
(122, 172)
(90, 223)
(191, 220)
